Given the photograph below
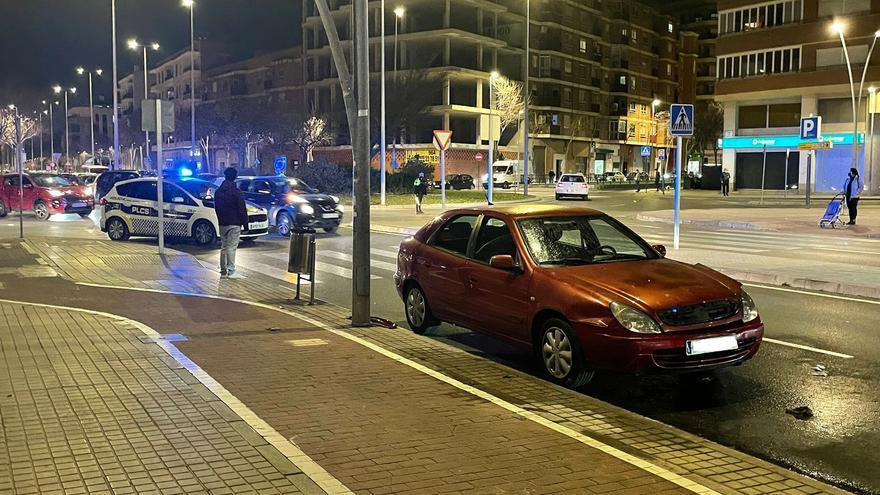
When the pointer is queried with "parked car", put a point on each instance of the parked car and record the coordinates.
(45, 195)
(460, 181)
(616, 176)
(85, 179)
(572, 186)
(576, 287)
(291, 203)
(104, 182)
(131, 208)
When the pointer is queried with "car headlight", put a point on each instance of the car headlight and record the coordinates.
(750, 309)
(307, 209)
(335, 199)
(633, 319)
(55, 193)
(297, 200)
(340, 207)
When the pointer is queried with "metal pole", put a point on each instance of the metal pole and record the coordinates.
(785, 189)
(526, 105)
(870, 168)
(676, 224)
(51, 133)
(160, 182)
(192, 79)
(360, 303)
(394, 137)
(809, 177)
(66, 131)
(852, 88)
(382, 109)
(115, 90)
(489, 177)
(859, 104)
(92, 117)
(146, 97)
(763, 173)
(443, 179)
(41, 138)
(20, 174)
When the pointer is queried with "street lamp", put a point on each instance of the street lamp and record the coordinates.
(838, 28)
(97, 72)
(489, 178)
(190, 4)
(58, 89)
(115, 87)
(654, 104)
(872, 99)
(382, 156)
(526, 103)
(134, 45)
(52, 125)
(399, 11)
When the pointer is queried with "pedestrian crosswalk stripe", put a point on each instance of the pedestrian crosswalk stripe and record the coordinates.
(713, 247)
(383, 252)
(384, 265)
(320, 266)
(728, 242)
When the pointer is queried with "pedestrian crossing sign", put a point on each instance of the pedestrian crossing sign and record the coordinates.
(681, 119)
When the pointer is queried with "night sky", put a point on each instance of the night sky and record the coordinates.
(42, 41)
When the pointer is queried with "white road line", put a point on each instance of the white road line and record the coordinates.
(276, 272)
(659, 471)
(308, 466)
(320, 266)
(808, 348)
(384, 253)
(685, 239)
(841, 250)
(817, 294)
(382, 265)
(713, 247)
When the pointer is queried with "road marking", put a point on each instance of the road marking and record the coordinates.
(384, 265)
(817, 294)
(839, 250)
(534, 417)
(714, 247)
(383, 252)
(275, 272)
(808, 348)
(320, 266)
(299, 458)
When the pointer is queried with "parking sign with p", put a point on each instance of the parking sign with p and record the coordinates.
(811, 128)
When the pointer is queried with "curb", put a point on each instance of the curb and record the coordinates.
(387, 229)
(724, 224)
(803, 283)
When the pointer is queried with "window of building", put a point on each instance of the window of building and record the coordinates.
(582, 96)
(832, 57)
(623, 32)
(544, 70)
(838, 110)
(830, 8)
(623, 81)
(632, 107)
(763, 16)
(634, 34)
(669, 27)
(785, 115)
(758, 63)
(583, 46)
(752, 117)
(568, 66)
(633, 83)
(534, 61)
(668, 69)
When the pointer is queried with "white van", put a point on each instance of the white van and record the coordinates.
(505, 173)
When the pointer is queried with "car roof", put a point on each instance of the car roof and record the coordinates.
(573, 173)
(529, 210)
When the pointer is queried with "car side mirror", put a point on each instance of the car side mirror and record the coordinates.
(661, 249)
(504, 262)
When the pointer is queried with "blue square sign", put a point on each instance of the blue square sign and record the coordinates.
(681, 119)
(811, 128)
(646, 151)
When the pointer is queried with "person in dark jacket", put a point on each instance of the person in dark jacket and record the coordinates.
(232, 218)
(852, 189)
(420, 189)
(725, 183)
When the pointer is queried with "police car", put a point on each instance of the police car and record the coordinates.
(130, 209)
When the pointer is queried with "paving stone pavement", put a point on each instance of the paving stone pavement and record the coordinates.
(388, 448)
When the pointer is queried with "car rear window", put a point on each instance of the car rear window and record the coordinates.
(572, 178)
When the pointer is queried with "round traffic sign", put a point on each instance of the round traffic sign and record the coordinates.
(478, 157)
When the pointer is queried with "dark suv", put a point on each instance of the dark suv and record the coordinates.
(291, 203)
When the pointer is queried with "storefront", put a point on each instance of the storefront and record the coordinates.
(776, 161)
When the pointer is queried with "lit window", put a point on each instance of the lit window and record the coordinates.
(583, 46)
(669, 27)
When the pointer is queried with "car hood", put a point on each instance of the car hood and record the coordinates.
(652, 285)
(317, 198)
(80, 191)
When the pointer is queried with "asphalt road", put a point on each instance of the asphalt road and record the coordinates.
(742, 407)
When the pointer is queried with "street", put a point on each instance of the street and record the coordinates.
(741, 407)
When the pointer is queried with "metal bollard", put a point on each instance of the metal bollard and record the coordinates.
(301, 260)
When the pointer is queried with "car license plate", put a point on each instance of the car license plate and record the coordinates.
(330, 215)
(258, 225)
(78, 205)
(714, 344)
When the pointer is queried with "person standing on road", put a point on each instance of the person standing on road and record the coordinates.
(232, 218)
(725, 183)
(638, 181)
(420, 189)
(551, 175)
(852, 189)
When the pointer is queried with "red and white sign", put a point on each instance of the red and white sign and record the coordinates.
(478, 157)
(442, 139)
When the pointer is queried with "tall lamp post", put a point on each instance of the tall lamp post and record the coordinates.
(97, 72)
(526, 67)
(58, 90)
(134, 45)
(489, 177)
(382, 156)
(190, 4)
(115, 87)
(869, 172)
(41, 112)
(398, 18)
(839, 28)
(17, 161)
(51, 128)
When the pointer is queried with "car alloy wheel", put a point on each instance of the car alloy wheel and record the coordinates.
(116, 230)
(556, 352)
(203, 233)
(418, 311)
(41, 210)
(284, 223)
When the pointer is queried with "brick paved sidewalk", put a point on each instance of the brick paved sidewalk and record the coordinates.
(387, 411)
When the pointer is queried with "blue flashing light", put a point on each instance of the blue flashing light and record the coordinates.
(185, 172)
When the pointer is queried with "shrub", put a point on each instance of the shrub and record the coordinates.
(327, 176)
(401, 182)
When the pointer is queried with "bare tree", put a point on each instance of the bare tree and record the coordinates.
(310, 134)
(30, 127)
(508, 101)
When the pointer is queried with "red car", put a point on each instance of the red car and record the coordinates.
(578, 288)
(45, 195)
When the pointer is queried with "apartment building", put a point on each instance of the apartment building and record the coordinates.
(595, 67)
(79, 120)
(779, 61)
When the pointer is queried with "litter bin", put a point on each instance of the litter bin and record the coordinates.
(301, 260)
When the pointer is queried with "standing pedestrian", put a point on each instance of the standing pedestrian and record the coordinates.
(638, 181)
(420, 189)
(725, 183)
(232, 218)
(550, 176)
(657, 179)
(852, 189)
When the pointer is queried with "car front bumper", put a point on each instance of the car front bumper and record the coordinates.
(665, 353)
